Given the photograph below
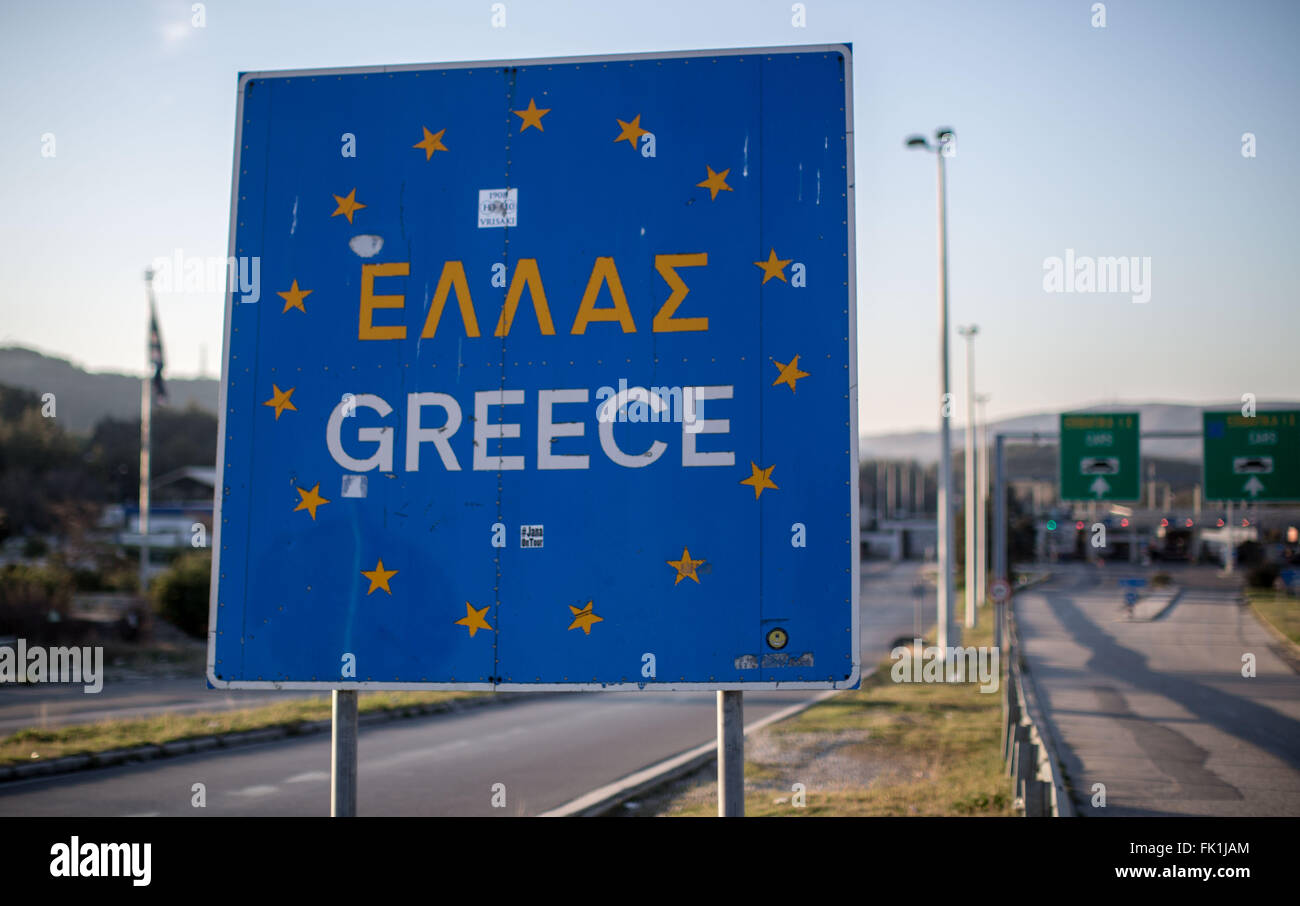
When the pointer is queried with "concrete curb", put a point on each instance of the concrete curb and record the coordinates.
(1286, 649)
(70, 763)
(609, 797)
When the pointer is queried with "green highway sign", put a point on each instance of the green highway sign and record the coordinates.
(1252, 458)
(1100, 457)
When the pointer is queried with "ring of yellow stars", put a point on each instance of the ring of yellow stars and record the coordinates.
(280, 401)
(474, 620)
(310, 500)
(532, 116)
(685, 567)
(294, 296)
(717, 182)
(632, 131)
(348, 204)
(773, 267)
(760, 479)
(789, 373)
(431, 142)
(379, 577)
(584, 618)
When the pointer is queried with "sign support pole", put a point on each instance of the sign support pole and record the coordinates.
(1229, 558)
(731, 755)
(343, 755)
(999, 529)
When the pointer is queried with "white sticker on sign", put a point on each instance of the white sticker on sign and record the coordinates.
(498, 207)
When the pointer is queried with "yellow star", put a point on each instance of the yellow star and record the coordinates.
(789, 373)
(760, 479)
(293, 298)
(584, 618)
(310, 500)
(348, 204)
(431, 142)
(532, 116)
(773, 267)
(280, 401)
(685, 567)
(379, 577)
(474, 620)
(717, 182)
(632, 131)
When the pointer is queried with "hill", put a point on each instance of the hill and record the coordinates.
(85, 397)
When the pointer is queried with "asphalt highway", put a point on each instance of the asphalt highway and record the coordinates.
(1158, 714)
(545, 751)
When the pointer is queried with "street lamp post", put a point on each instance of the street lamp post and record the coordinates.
(948, 631)
(968, 333)
(981, 501)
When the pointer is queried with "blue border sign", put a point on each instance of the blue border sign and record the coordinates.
(549, 381)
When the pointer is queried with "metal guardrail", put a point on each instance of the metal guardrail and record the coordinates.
(1028, 751)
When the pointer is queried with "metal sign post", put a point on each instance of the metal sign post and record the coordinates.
(731, 755)
(343, 754)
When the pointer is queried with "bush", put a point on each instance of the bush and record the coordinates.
(180, 595)
(28, 597)
(1263, 576)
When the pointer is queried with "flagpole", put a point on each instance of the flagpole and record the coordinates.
(146, 411)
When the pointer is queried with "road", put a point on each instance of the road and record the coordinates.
(1159, 712)
(546, 751)
(49, 705)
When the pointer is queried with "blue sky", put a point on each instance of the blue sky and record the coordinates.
(1116, 141)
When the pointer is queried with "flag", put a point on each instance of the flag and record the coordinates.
(156, 356)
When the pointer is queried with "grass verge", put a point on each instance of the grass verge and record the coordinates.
(887, 749)
(33, 743)
(1280, 611)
